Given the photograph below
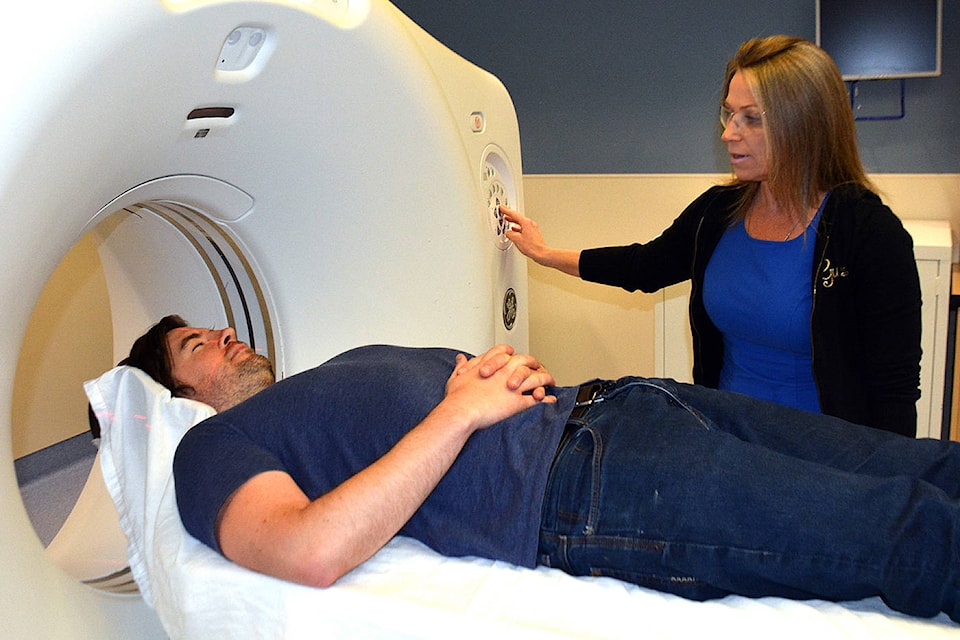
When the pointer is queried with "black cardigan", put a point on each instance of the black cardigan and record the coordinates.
(866, 300)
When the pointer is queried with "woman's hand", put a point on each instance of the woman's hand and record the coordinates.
(525, 235)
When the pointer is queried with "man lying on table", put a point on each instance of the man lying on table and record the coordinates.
(674, 487)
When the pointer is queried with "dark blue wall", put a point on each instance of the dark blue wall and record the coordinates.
(633, 86)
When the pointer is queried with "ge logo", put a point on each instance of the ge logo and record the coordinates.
(509, 309)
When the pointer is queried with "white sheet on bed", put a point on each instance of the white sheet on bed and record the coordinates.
(405, 590)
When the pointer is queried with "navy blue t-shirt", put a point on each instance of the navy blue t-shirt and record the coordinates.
(326, 424)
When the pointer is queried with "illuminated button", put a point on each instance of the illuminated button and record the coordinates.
(477, 122)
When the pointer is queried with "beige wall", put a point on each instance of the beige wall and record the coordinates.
(582, 330)
(69, 340)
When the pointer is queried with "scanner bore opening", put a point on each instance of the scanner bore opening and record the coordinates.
(206, 276)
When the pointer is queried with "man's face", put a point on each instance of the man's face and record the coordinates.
(218, 369)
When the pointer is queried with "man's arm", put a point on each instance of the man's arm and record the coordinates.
(269, 525)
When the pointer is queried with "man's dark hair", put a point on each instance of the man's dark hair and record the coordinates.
(151, 354)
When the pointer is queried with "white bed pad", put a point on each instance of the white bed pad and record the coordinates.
(405, 590)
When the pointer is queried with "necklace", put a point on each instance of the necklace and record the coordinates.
(747, 222)
(751, 215)
(792, 229)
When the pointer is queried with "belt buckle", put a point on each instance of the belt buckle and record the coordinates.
(586, 395)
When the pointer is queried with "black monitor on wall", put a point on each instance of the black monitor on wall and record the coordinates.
(879, 39)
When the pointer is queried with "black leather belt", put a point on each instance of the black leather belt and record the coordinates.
(587, 393)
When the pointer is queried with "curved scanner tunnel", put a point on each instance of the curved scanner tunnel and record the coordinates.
(334, 181)
(137, 250)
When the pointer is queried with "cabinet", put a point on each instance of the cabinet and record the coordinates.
(952, 386)
(933, 249)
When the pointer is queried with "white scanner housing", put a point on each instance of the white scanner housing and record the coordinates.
(318, 174)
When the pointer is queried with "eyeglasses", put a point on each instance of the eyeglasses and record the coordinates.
(742, 120)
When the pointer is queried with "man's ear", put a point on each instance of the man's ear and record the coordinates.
(185, 391)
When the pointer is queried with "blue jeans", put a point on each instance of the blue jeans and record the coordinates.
(704, 493)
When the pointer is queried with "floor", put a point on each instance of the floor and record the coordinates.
(51, 480)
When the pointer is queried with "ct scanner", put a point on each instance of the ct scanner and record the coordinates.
(317, 173)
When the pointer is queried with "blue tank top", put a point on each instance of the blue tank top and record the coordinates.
(759, 294)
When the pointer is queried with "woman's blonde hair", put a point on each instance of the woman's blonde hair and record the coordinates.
(810, 133)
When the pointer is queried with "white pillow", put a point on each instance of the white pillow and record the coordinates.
(141, 425)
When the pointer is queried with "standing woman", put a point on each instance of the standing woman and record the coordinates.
(804, 285)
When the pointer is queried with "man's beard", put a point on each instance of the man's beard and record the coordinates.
(251, 375)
